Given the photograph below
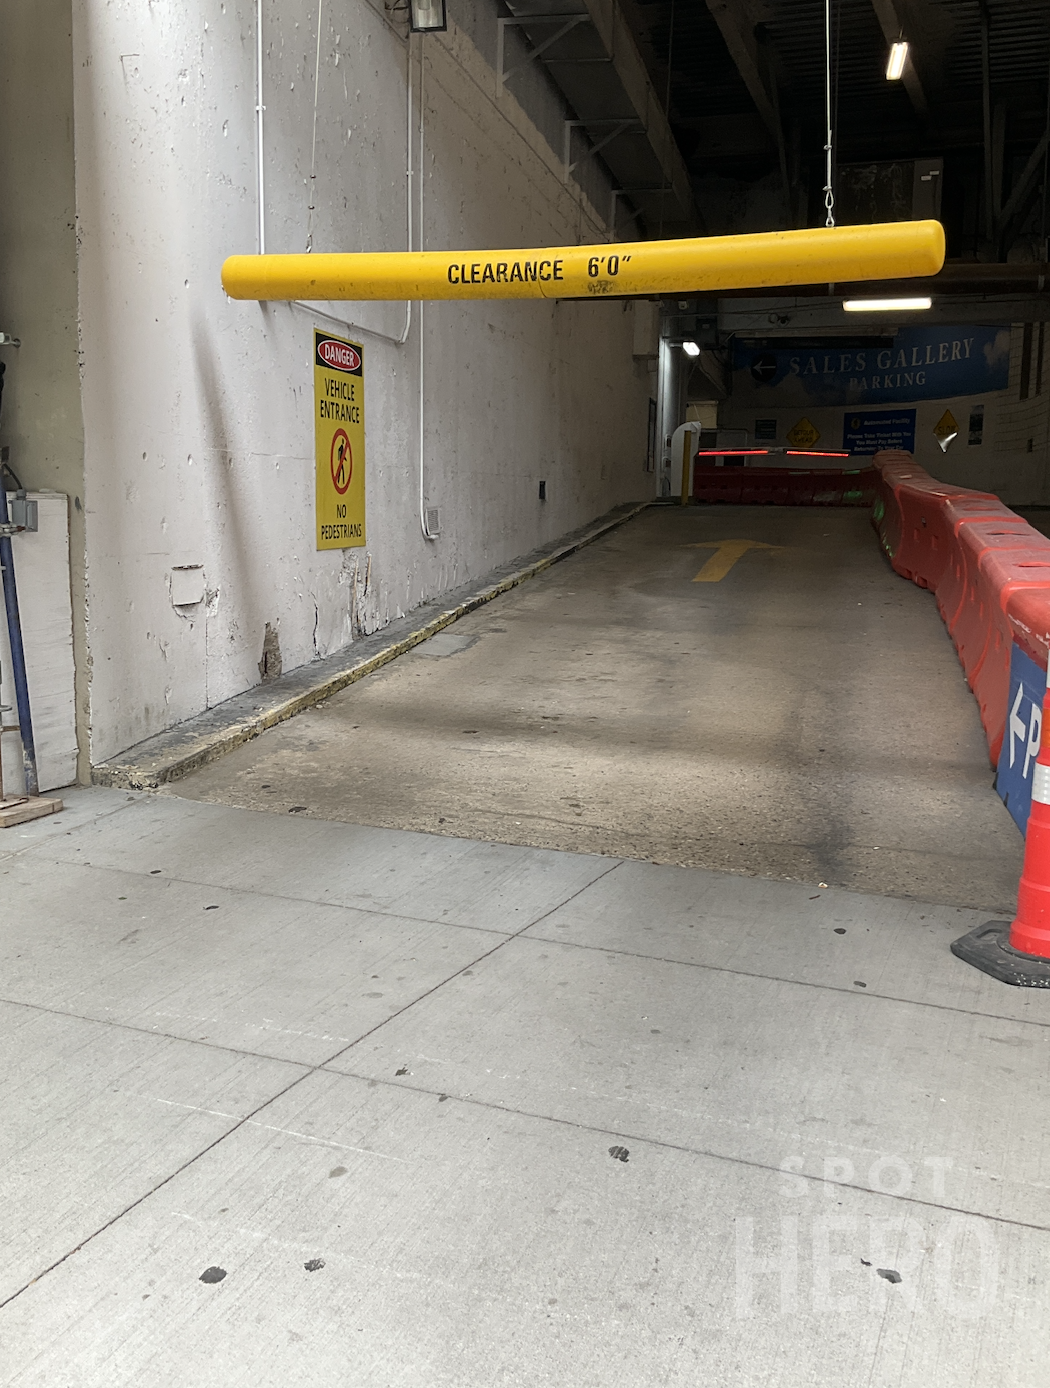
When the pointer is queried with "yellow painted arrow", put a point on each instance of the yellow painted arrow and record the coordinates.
(727, 552)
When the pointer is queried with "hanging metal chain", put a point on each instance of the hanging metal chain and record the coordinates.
(829, 191)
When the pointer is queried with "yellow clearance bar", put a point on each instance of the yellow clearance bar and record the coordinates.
(889, 251)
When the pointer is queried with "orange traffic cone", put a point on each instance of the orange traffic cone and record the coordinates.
(1019, 953)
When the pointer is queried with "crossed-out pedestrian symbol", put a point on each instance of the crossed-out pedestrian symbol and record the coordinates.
(342, 461)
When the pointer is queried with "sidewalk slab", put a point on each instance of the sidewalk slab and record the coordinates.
(268, 975)
(453, 1246)
(95, 1118)
(425, 876)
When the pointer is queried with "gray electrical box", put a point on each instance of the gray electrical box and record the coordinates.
(23, 512)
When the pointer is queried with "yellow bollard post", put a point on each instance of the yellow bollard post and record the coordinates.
(818, 255)
(687, 465)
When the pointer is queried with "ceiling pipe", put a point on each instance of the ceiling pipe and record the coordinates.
(954, 279)
(990, 210)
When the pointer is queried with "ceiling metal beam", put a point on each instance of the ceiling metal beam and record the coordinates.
(825, 315)
(612, 27)
(889, 15)
(991, 212)
(754, 62)
(1023, 189)
(743, 49)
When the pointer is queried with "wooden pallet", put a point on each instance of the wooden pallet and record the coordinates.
(14, 812)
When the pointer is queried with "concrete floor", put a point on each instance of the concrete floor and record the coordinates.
(804, 717)
(436, 1113)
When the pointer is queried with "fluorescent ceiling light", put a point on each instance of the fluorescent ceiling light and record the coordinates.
(895, 63)
(690, 349)
(885, 305)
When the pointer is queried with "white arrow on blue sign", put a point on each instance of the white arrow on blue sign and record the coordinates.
(1024, 726)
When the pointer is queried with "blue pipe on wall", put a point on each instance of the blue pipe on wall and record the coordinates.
(14, 632)
(18, 658)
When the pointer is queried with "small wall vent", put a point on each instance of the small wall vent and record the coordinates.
(432, 521)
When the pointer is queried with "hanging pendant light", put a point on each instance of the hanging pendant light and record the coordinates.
(427, 16)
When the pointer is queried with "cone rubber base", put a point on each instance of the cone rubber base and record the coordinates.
(988, 948)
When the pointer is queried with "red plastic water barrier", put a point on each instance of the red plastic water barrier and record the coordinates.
(777, 486)
(989, 569)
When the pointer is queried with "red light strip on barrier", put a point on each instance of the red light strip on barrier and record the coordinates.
(764, 452)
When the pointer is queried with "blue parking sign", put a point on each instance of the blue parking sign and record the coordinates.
(865, 432)
(1024, 726)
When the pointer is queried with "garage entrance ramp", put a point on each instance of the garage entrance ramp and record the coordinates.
(740, 688)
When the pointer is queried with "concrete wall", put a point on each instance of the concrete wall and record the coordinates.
(198, 410)
(41, 421)
(1017, 450)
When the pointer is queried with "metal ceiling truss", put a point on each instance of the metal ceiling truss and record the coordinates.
(566, 22)
(633, 194)
(756, 64)
(591, 55)
(619, 127)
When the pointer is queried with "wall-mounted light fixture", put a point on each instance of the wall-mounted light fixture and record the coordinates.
(886, 305)
(427, 16)
(690, 349)
(895, 62)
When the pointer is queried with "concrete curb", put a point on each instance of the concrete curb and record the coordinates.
(209, 736)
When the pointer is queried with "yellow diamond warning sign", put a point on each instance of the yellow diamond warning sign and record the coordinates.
(803, 435)
(945, 430)
(339, 434)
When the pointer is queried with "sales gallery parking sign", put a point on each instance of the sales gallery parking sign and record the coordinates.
(339, 432)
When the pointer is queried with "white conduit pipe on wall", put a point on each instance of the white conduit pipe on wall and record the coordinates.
(312, 185)
(259, 123)
(400, 340)
(422, 246)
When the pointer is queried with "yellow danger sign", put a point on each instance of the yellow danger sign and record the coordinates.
(804, 434)
(339, 433)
